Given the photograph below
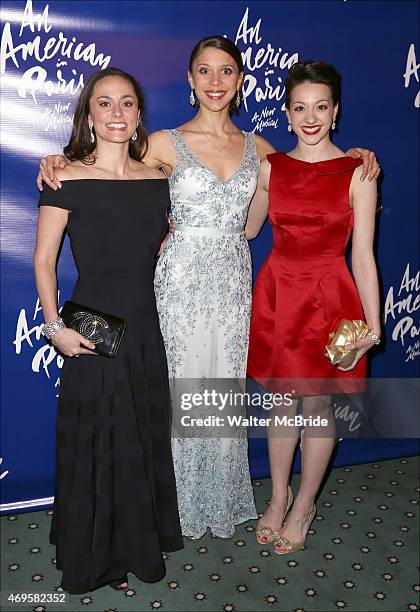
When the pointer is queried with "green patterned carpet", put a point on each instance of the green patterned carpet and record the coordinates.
(361, 555)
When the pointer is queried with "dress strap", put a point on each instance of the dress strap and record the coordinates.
(251, 158)
(250, 146)
(181, 148)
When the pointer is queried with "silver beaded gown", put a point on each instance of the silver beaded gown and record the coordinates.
(203, 293)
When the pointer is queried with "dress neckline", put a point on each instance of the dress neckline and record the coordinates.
(322, 161)
(335, 165)
(216, 176)
(113, 180)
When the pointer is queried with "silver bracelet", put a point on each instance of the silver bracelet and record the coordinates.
(52, 327)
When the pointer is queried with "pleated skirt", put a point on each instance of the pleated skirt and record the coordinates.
(115, 507)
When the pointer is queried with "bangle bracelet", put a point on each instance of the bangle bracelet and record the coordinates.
(52, 327)
(375, 338)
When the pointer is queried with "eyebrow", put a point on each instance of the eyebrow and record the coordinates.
(223, 65)
(299, 102)
(110, 97)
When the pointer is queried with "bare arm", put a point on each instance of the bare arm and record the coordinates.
(364, 200)
(160, 153)
(258, 209)
(51, 224)
(264, 148)
(371, 168)
(47, 170)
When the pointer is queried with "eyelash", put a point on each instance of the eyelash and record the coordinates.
(104, 103)
(225, 70)
(320, 107)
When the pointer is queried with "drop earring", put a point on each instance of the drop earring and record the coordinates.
(238, 100)
(333, 125)
(289, 127)
(135, 135)
(92, 135)
(192, 97)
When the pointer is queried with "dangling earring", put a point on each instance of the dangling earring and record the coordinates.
(192, 97)
(92, 135)
(289, 127)
(135, 135)
(333, 125)
(238, 99)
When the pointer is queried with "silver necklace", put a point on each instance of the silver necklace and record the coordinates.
(220, 151)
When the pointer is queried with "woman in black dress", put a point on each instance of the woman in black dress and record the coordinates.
(115, 505)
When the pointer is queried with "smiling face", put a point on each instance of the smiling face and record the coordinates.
(312, 112)
(215, 77)
(113, 109)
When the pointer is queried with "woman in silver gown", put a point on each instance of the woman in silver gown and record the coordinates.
(203, 283)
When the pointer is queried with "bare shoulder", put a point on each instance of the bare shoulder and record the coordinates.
(139, 170)
(264, 147)
(264, 173)
(160, 152)
(364, 189)
(160, 145)
(358, 172)
(188, 126)
(75, 170)
(160, 137)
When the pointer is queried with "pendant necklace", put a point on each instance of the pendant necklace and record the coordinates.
(220, 151)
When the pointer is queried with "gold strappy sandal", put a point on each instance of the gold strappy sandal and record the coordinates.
(264, 534)
(286, 544)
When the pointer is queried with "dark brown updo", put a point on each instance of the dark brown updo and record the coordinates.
(313, 72)
(80, 146)
(223, 44)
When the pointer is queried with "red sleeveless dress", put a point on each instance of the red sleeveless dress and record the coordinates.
(305, 287)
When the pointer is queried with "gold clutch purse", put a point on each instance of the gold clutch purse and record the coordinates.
(347, 332)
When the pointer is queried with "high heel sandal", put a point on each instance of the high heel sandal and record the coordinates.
(263, 531)
(117, 584)
(286, 544)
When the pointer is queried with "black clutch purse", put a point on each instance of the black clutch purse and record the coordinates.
(104, 330)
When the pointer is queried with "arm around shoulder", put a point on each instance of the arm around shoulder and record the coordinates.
(61, 198)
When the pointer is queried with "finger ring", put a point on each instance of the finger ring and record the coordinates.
(77, 355)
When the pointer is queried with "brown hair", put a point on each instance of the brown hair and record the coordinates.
(80, 146)
(313, 72)
(223, 44)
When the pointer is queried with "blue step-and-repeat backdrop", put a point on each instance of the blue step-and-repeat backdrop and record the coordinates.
(48, 49)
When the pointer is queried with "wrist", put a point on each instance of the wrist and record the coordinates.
(375, 335)
(50, 328)
(374, 326)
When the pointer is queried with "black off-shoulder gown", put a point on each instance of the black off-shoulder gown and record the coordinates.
(115, 507)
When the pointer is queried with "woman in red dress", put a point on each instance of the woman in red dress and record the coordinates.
(315, 202)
